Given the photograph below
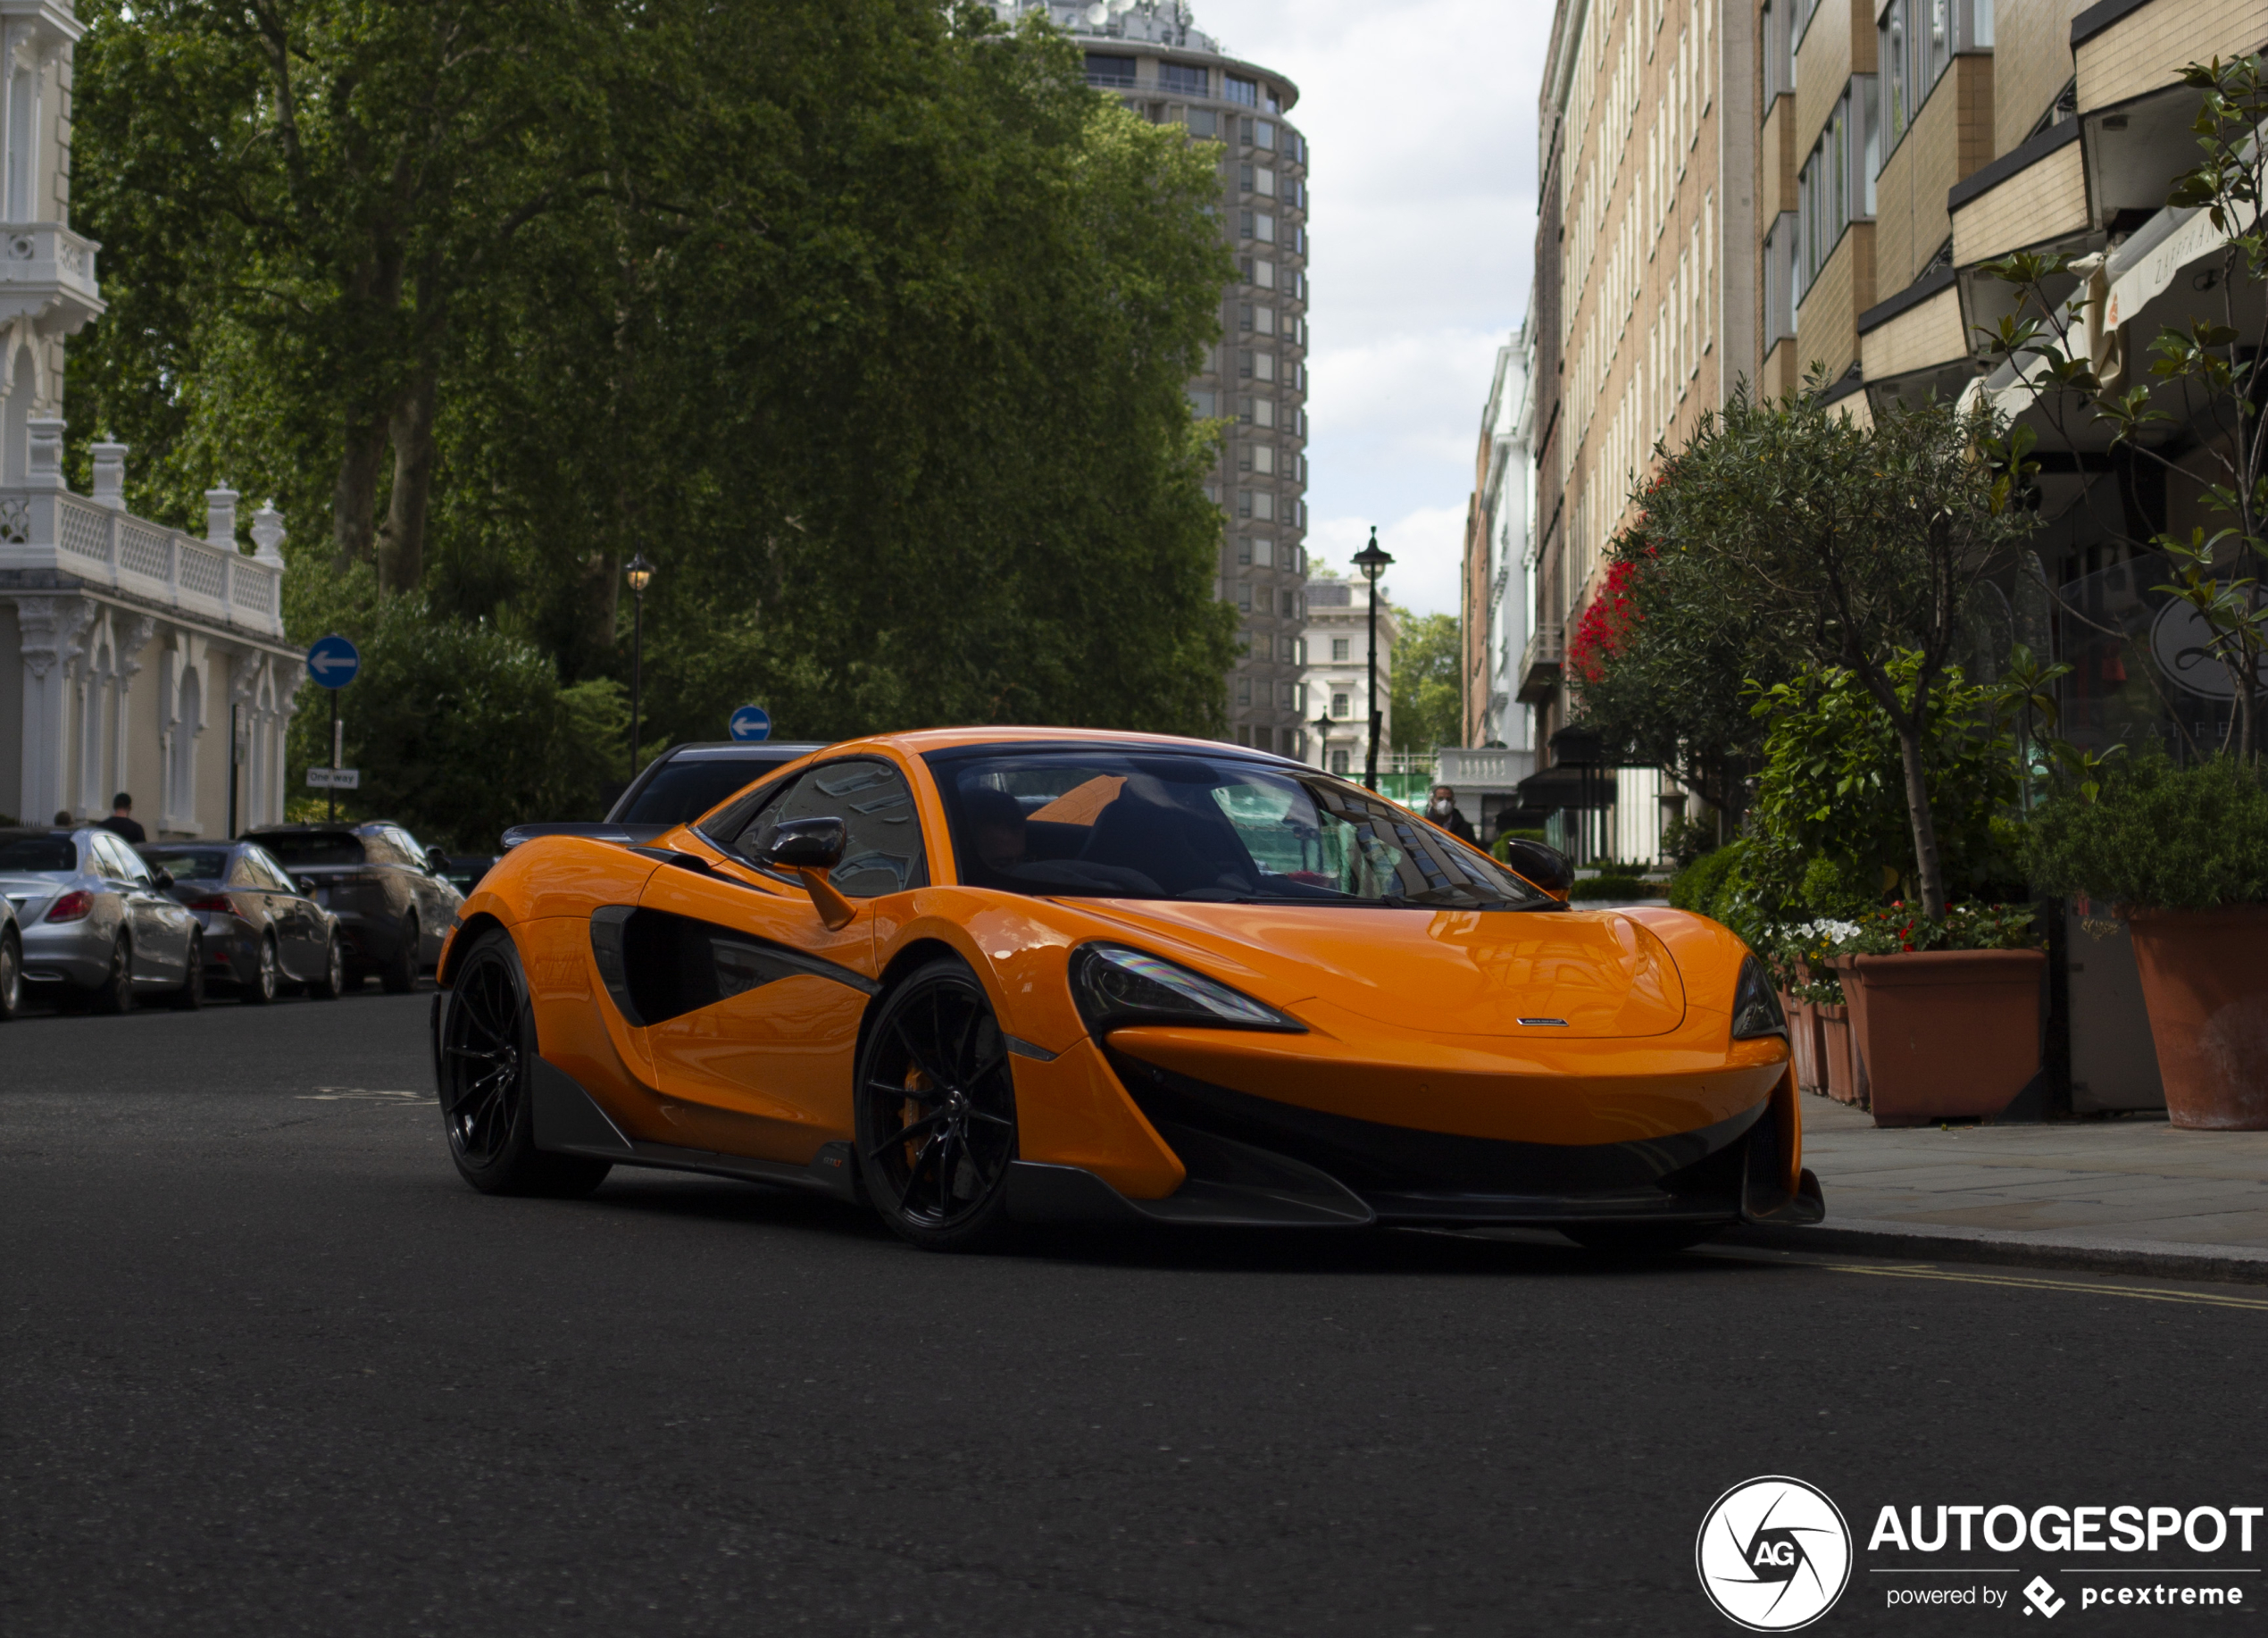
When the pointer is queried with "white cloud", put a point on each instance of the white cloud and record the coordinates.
(1421, 119)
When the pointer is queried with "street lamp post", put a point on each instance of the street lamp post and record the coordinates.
(640, 575)
(1372, 561)
(1322, 725)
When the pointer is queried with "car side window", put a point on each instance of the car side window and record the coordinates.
(378, 847)
(244, 871)
(261, 871)
(883, 849)
(112, 860)
(413, 854)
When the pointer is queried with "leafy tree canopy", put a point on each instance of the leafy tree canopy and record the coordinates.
(1429, 704)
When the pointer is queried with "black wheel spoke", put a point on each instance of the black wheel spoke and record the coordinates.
(918, 1094)
(920, 1061)
(905, 1134)
(989, 1120)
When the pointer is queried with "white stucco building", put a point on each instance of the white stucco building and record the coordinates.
(1337, 683)
(132, 656)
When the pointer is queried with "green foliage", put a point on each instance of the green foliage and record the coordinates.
(2157, 836)
(1703, 886)
(1901, 927)
(1685, 839)
(867, 322)
(1429, 701)
(1616, 887)
(1832, 829)
(1500, 848)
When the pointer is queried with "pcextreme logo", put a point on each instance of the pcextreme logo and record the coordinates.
(1773, 1554)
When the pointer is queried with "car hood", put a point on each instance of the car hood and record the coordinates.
(1457, 972)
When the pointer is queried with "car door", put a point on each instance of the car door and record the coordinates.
(762, 1031)
(289, 916)
(436, 900)
(160, 927)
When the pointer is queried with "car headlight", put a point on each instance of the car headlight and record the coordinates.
(1756, 1004)
(1116, 987)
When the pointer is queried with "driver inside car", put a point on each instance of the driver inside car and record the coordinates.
(996, 826)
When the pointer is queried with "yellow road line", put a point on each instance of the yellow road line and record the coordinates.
(1931, 1271)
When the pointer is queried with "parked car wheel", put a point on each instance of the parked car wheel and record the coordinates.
(332, 983)
(116, 993)
(260, 988)
(190, 996)
(487, 1045)
(399, 974)
(11, 974)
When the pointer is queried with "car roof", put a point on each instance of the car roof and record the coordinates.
(727, 750)
(922, 741)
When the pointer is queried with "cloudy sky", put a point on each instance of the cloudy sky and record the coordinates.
(1421, 115)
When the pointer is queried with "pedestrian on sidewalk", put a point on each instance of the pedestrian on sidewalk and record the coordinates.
(121, 822)
(1444, 811)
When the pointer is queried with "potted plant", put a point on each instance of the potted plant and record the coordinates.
(2182, 853)
(1944, 1010)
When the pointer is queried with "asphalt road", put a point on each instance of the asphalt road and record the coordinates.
(270, 1368)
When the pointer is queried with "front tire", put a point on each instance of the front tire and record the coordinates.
(190, 996)
(332, 983)
(937, 1112)
(260, 988)
(116, 993)
(11, 975)
(487, 1049)
(399, 976)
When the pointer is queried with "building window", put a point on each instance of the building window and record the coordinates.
(1339, 763)
(1916, 42)
(1243, 361)
(1244, 315)
(1338, 652)
(1260, 412)
(1264, 227)
(1263, 458)
(1837, 185)
(1263, 552)
(1780, 279)
(1244, 690)
(1288, 694)
(1244, 224)
(1204, 122)
(1263, 366)
(1263, 183)
(1264, 275)
(1109, 70)
(1339, 707)
(1264, 132)
(1180, 80)
(1263, 320)
(1244, 91)
(1264, 507)
(1201, 404)
(1244, 555)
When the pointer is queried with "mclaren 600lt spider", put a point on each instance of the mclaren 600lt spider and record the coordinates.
(984, 977)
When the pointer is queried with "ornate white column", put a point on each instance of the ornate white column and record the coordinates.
(132, 635)
(50, 628)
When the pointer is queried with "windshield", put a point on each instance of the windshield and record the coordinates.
(297, 848)
(38, 853)
(686, 787)
(1141, 824)
(190, 864)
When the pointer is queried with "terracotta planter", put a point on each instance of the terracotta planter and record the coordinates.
(1944, 1034)
(1803, 1044)
(2204, 981)
(1837, 1064)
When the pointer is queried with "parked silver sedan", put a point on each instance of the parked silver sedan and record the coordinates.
(97, 923)
(10, 960)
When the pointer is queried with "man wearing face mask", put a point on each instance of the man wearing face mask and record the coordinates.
(1443, 811)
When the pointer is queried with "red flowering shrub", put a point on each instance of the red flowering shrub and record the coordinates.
(1606, 621)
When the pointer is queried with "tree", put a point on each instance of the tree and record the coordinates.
(1428, 697)
(1857, 546)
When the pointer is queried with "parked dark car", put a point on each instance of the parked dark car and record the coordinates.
(392, 906)
(463, 871)
(683, 783)
(96, 925)
(261, 932)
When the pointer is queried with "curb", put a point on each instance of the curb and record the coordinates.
(2166, 1261)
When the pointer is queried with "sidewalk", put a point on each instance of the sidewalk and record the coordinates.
(2132, 1196)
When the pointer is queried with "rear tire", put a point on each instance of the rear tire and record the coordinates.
(487, 1049)
(399, 975)
(116, 994)
(11, 974)
(190, 996)
(1641, 1241)
(260, 988)
(937, 1113)
(331, 982)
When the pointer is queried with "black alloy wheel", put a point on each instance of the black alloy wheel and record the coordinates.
(937, 1112)
(399, 975)
(488, 1049)
(190, 996)
(260, 988)
(331, 982)
(116, 994)
(11, 974)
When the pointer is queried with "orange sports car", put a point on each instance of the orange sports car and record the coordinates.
(983, 977)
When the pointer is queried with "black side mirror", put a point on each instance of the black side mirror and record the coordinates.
(1547, 867)
(804, 844)
(164, 878)
(305, 884)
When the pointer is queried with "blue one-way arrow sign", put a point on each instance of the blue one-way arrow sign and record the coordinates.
(333, 662)
(751, 722)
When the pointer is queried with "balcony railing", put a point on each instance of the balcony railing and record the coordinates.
(1103, 79)
(43, 265)
(1540, 664)
(51, 528)
(1491, 770)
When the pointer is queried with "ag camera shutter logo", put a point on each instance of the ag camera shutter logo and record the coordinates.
(1773, 1554)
